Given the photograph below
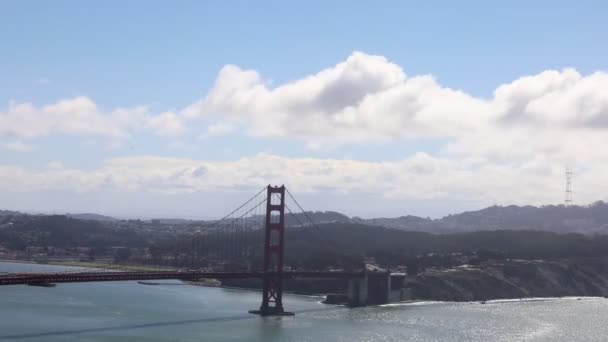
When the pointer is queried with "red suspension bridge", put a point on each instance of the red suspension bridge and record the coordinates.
(247, 243)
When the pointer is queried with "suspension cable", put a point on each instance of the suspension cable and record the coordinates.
(235, 210)
(246, 213)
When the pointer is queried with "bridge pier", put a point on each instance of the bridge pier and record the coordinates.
(357, 291)
(375, 289)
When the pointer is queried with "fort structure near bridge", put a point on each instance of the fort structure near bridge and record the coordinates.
(375, 288)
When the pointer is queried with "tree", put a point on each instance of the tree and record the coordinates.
(122, 254)
(412, 267)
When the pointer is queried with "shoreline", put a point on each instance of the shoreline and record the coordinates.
(475, 288)
(513, 279)
(491, 301)
(20, 262)
(87, 264)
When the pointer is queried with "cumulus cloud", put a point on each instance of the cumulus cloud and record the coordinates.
(364, 98)
(368, 98)
(361, 99)
(166, 124)
(555, 99)
(559, 115)
(77, 115)
(218, 129)
(81, 116)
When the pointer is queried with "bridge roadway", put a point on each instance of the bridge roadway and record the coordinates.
(79, 277)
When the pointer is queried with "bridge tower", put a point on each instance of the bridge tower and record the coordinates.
(274, 248)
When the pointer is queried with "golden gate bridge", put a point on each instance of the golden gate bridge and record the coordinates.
(249, 242)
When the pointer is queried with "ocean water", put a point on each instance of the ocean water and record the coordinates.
(128, 311)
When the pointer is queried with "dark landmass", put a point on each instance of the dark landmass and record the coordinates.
(331, 245)
(587, 219)
(512, 252)
(172, 221)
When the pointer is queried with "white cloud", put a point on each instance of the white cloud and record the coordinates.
(166, 124)
(77, 115)
(555, 99)
(218, 129)
(560, 115)
(365, 98)
(54, 165)
(368, 98)
(81, 116)
(418, 177)
(361, 99)
(510, 148)
(18, 146)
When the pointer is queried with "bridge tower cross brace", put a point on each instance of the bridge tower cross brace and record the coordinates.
(274, 251)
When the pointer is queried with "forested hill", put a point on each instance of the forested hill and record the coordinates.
(387, 246)
(555, 218)
(591, 219)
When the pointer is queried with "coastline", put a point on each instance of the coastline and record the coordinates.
(512, 279)
(490, 282)
(30, 262)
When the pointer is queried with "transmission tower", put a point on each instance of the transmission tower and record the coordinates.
(568, 199)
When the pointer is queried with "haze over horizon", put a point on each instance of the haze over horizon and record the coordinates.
(365, 111)
(202, 216)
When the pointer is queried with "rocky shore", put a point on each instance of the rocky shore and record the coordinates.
(512, 279)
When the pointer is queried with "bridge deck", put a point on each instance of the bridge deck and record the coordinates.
(78, 277)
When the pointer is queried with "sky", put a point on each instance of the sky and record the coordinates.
(386, 108)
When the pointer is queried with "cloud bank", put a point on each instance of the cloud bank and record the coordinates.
(419, 176)
(368, 98)
(512, 147)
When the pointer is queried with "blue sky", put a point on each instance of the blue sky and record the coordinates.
(166, 56)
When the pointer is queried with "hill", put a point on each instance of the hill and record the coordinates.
(92, 217)
(589, 219)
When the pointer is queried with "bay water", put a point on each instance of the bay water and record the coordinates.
(173, 311)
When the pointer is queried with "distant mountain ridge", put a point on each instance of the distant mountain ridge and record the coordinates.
(556, 218)
(589, 219)
(92, 217)
(408, 222)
